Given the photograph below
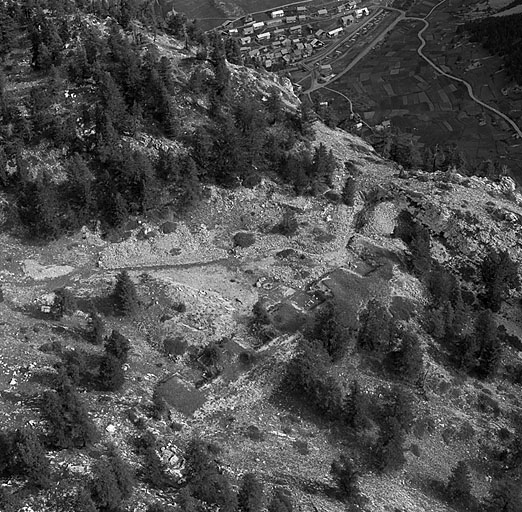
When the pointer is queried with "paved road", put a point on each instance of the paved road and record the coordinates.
(371, 45)
(510, 121)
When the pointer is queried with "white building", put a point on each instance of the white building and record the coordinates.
(335, 32)
(245, 40)
(322, 12)
(265, 36)
(277, 14)
(258, 24)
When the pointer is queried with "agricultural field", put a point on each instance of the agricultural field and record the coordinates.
(394, 83)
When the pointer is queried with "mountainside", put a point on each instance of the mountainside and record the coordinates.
(210, 300)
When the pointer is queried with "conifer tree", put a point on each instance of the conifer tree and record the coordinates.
(64, 303)
(500, 274)
(96, 329)
(355, 408)
(29, 458)
(328, 330)
(189, 187)
(490, 349)
(375, 326)
(105, 490)
(84, 503)
(261, 316)
(459, 484)
(389, 448)
(346, 477)
(349, 189)
(504, 496)
(117, 346)
(250, 495)
(407, 361)
(71, 426)
(124, 295)
(281, 501)
(111, 374)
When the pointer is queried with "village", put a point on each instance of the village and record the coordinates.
(281, 38)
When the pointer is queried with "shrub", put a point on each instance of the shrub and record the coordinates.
(8, 501)
(117, 346)
(111, 374)
(64, 303)
(288, 225)
(71, 426)
(29, 458)
(254, 433)
(504, 495)
(243, 239)
(105, 491)
(84, 503)
(112, 483)
(459, 484)
(407, 362)
(160, 408)
(281, 501)
(96, 329)
(349, 189)
(73, 366)
(124, 296)
(211, 355)
(260, 313)
(389, 448)
(355, 408)
(301, 446)
(328, 331)
(346, 477)
(250, 495)
(160, 507)
(375, 326)
(204, 479)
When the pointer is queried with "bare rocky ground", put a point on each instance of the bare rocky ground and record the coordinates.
(198, 265)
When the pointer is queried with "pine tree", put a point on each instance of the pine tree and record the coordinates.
(64, 303)
(328, 330)
(355, 408)
(349, 189)
(490, 349)
(420, 249)
(117, 346)
(408, 360)
(389, 449)
(8, 501)
(504, 496)
(250, 494)
(96, 329)
(281, 501)
(500, 274)
(30, 459)
(105, 491)
(346, 477)
(459, 484)
(260, 314)
(71, 426)
(189, 187)
(111, 374)
(375, 326)
(122, 473)
(124, 296)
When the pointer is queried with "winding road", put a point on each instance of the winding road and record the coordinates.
(372, 44)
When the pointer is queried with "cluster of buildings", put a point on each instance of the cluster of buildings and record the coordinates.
(285, 38)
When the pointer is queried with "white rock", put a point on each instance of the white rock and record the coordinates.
(110, 428)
